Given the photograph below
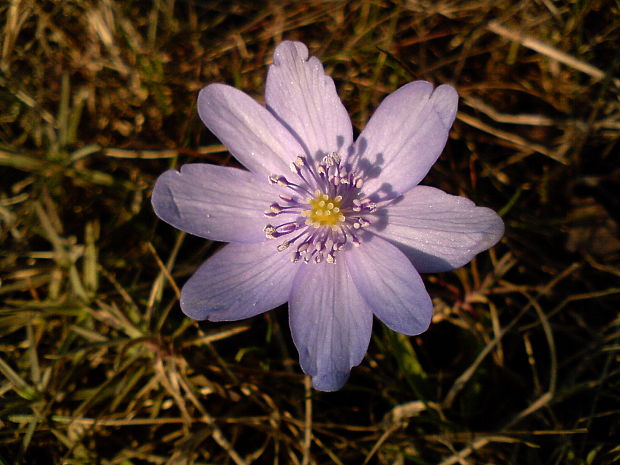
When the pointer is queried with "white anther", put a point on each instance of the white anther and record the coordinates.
(285, 245)
(279, 180)
(270, 231)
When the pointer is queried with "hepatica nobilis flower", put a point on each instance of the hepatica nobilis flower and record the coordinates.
(339, 229)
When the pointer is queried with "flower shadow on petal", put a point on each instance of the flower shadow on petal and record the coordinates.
(417, 257)
(360, 160)
(316, 157)
(380, 221)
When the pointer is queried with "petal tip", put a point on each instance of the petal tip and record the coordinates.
(496, 229)
(190, 309)
(330, 382)
(207, 99)
(207, 91)
(290, 50)
(162, 198)
(445, 101)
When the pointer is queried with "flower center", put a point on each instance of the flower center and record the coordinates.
(324, 212)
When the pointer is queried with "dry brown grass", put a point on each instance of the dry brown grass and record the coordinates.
(99, 365)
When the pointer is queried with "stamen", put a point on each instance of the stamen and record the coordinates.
(287, 228)
(324, 213)
(270, 231)
(279, 180)
(285, 245)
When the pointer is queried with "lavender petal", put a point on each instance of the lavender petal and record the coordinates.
(248, 130)
(237, 282)
(439, 231)
(391, 286)
(404, 137)
(305, 100)
(215, 202)
(330, 323)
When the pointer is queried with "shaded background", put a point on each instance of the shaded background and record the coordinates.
(100, 366)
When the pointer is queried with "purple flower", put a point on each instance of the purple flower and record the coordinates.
(338, 229)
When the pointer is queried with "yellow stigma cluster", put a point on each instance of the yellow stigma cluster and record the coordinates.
(324, 211)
